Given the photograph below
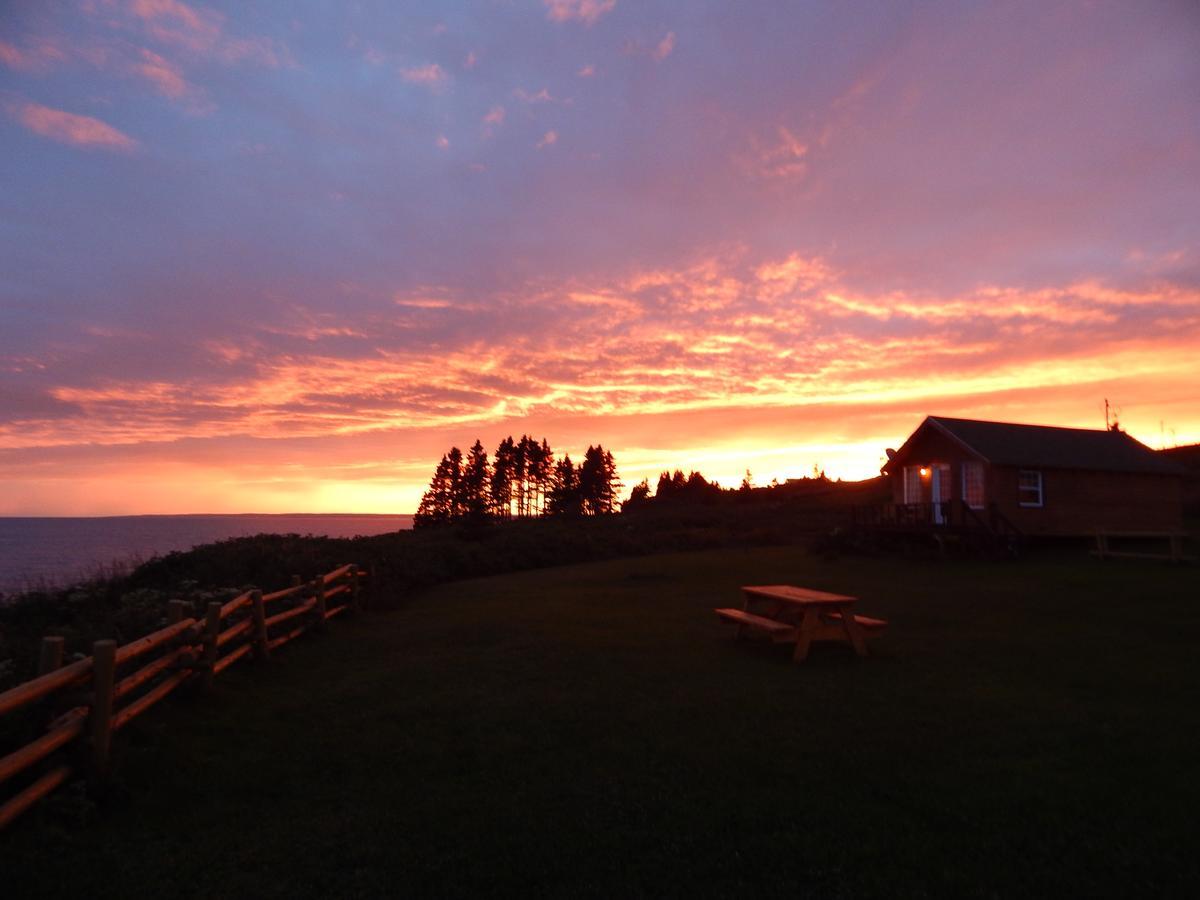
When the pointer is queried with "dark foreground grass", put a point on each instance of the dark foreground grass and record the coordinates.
(1023, 730)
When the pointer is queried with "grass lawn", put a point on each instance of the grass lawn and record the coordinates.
(1024, 729)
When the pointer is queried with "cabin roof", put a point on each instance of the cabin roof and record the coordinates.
(1187, 456)
(1049, 446)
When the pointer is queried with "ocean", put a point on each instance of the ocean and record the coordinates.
(62, 550)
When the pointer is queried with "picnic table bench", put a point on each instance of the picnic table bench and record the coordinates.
(790, 614)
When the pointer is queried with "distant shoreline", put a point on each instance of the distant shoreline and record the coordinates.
(58, 550)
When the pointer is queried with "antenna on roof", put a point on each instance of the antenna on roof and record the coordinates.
(1112, 415)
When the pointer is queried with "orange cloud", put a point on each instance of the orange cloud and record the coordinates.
(720, 365)
(69, 128)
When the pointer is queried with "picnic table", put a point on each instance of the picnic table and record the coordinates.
(802, 615)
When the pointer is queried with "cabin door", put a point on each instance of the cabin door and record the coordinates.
(940, 490)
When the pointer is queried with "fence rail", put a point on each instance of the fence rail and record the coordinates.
(86, 701)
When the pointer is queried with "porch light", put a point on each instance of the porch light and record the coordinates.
(924, 472)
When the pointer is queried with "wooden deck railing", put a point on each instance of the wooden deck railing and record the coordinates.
(85, 702)
(946, 514)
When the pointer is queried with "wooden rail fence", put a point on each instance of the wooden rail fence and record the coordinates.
(86, 701)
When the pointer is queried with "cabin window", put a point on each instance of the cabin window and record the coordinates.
(912, 484)
(972, 484)
(1029, 488)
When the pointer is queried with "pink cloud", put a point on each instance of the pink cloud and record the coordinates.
(68, 128)
(783, 158)
(471, 61)
(658, 52)
(542, 96)
(199, 31)
(36, 56)
(443, 142)
(548, 139)
(431, 76)
(586, 71)
(174, 22)
(586, 11)
(664, 47)
(164, 75)
(493, 120)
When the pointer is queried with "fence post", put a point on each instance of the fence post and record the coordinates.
(212, 630)
(318, 587)
(51, 655)
(259, 612)
(104, 667)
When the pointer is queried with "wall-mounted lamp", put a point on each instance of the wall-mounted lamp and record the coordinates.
(924, 472)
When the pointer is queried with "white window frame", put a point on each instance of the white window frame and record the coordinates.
(978, 467)
(1022, 488)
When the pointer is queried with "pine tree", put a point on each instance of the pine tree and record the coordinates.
(612, 481)
(663, 489)
(564, 493)
(436, 503)
(502, 479)
(476, 482)
(598, 483)
(541, 473)
(454, 477)
(521, 472)
(639, 497)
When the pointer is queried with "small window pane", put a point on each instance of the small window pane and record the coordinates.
(1029, 488)
(972, 484)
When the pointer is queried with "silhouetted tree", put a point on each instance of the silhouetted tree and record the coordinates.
(502, 479)
(598, 484)
(564, 492)
(476, 483)
(541, 473)
(458, 499)
(521, 473)
(639, 497)
(438, 505)
(663, 488)
(525, 477)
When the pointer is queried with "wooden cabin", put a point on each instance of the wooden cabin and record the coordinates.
(1032, 480)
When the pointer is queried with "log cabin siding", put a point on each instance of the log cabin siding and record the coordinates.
(1077, 502)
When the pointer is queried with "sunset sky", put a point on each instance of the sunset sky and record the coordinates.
(280, 256)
